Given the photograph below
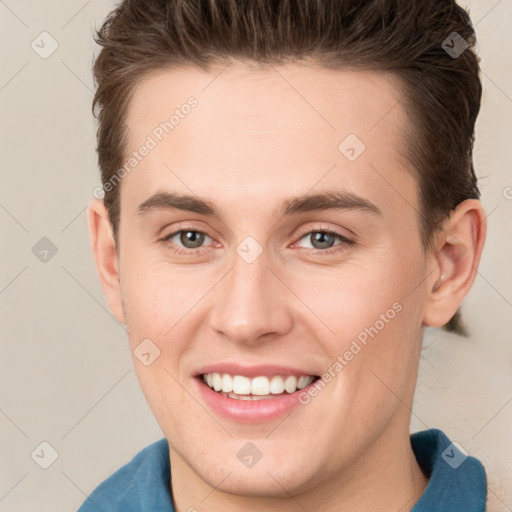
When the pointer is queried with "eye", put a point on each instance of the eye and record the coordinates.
(321, 240)
(188, 238)
(324, 239)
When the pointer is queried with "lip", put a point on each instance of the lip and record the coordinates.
(249, 411)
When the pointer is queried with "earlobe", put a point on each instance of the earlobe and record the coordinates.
(457, 255)
(105, 256)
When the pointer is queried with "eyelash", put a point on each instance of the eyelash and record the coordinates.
(335, 249)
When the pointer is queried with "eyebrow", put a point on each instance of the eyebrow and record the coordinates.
(329, 200)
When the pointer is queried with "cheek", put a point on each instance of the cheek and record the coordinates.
(157, 298)
(157, 301)
(369, 314)
(351, 298)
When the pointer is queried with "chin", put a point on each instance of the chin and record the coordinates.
(276, 475)
(264, 484)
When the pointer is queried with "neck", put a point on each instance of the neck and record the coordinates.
(386, 476)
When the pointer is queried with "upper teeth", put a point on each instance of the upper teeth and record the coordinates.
(263, 385)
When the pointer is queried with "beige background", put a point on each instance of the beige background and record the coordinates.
(66, 375)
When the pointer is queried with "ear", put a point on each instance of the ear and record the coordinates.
(455, 259)
(105, 255)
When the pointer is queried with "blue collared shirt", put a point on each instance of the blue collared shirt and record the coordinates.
(457, 482)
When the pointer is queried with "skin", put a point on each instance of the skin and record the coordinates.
(253, 142)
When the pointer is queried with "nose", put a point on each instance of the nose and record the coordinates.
(251, 303)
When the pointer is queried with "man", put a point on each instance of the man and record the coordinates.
(289, 200)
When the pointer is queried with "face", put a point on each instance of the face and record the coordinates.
(259, 240)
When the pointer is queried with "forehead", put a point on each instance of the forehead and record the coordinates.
(271, 98)
(256, 127)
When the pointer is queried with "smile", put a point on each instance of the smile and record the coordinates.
(240, 387)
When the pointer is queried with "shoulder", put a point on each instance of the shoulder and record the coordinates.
(143, 479)
(457, 481)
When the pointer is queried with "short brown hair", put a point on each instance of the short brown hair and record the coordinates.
(411, 39)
